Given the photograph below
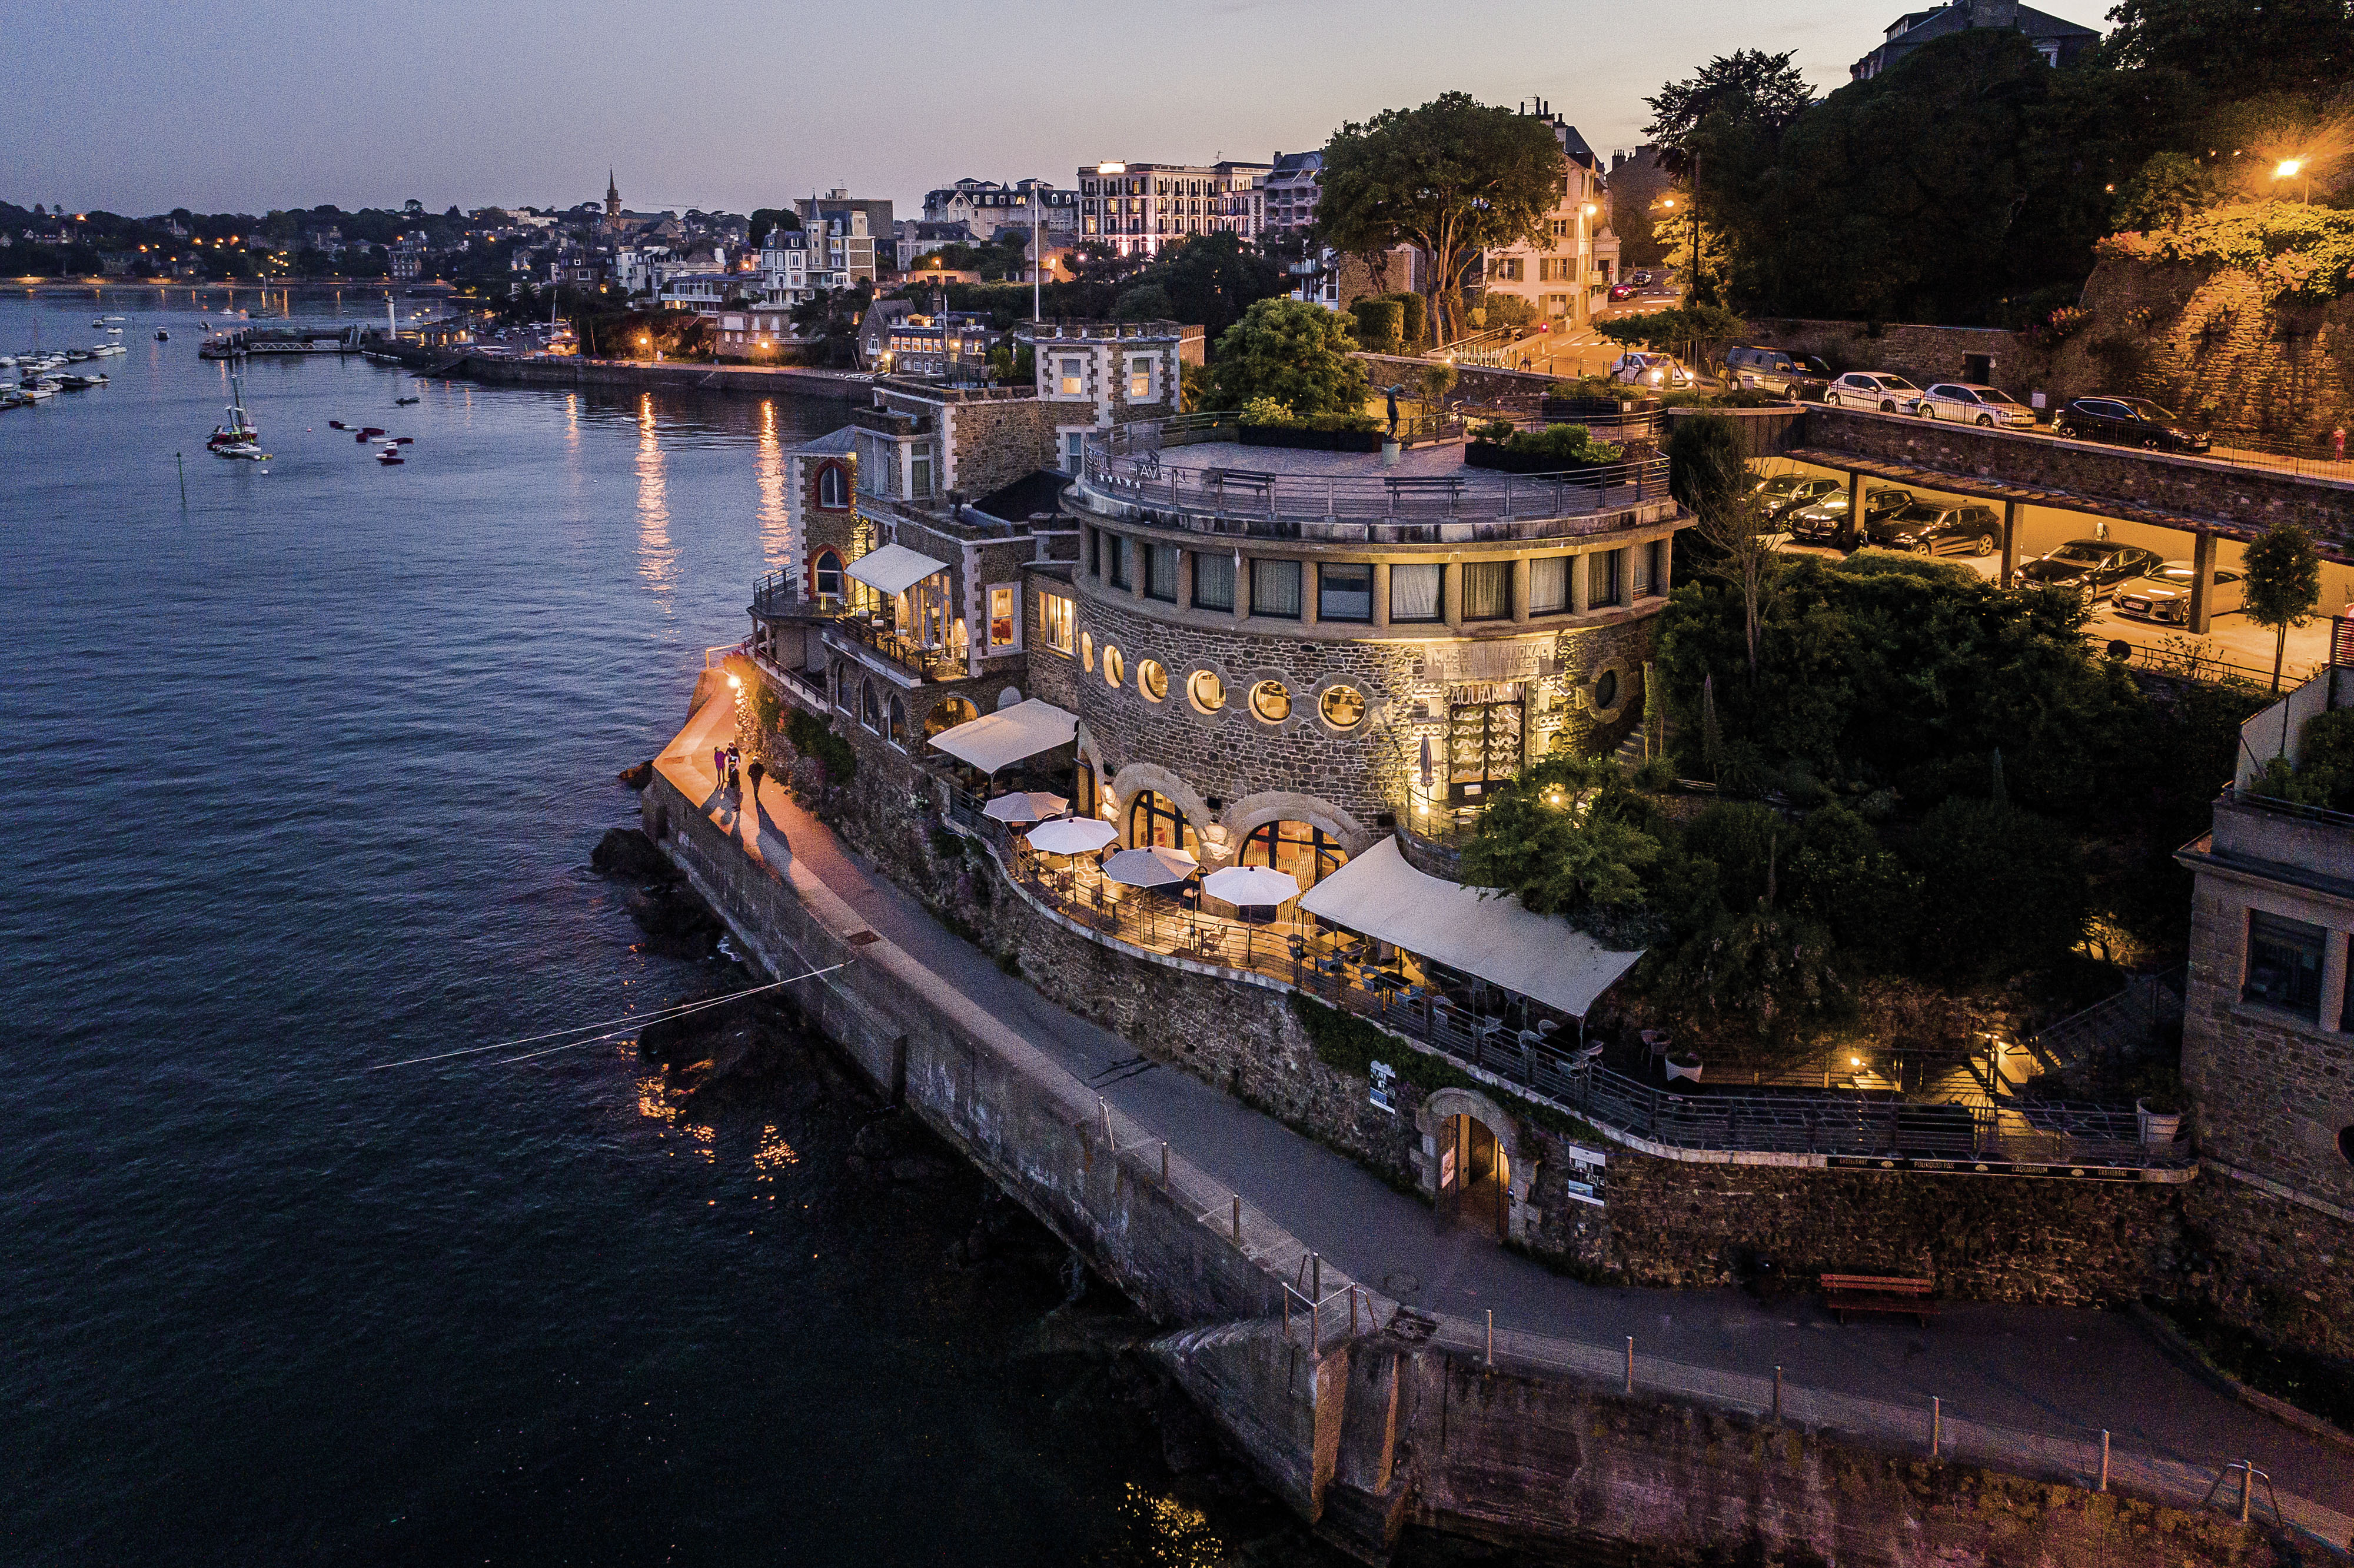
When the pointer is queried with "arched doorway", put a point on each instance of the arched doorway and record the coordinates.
(1475, 1176)
(1154, 819)
(1308, 852)
(945, 715)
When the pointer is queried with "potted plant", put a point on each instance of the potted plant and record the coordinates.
(2161, 1116)
(1556, 449)
(1683, 1065)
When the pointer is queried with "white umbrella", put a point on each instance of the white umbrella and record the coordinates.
(1156, 867)
(1251, 885)
(1032, 806)
(1073, 835)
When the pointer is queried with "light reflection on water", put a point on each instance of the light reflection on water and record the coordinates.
(657, 560)
(774, 540)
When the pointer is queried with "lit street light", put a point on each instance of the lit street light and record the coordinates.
(2289, 169)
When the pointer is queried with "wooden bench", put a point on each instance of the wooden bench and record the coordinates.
(1846, 1293)
(1409, 488)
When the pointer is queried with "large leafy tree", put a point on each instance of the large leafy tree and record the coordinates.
(1746, 85)
(1452, 178)
(2239, 49)
(1212, 278)
(1302, 355)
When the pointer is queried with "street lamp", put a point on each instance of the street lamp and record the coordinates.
(2289, 169)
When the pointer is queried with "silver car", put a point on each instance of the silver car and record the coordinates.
(2164, 594)
(1972, 404)
(1870, 390)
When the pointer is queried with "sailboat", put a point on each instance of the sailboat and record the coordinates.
(238, 431)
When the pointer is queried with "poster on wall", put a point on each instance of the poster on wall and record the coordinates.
(1384, 1075)
(1446, 1169)
(1586, 1167)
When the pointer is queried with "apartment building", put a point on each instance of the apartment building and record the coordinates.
(1291, 192)
(1569, 269)
(1137, 209)
(984, 207)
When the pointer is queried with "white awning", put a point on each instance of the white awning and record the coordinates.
(996, 740)
(894, 569)
(1379, 895)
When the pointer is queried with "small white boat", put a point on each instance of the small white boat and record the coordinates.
(36, 391)
(77, 354)
(389, 454)
(11, 398)
(162, 336)
(106, 350)
(80, 383)
(245, 449)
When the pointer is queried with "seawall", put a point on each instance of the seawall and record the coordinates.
(1367, 1420)
(755, 380)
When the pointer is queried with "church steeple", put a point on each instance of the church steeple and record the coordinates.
(612, 198)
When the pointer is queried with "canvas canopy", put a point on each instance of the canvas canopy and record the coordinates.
(1379, 895)
(1000, 739)
(894, 569)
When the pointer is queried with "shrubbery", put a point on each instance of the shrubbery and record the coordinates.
(809, 736)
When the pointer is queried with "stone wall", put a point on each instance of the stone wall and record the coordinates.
(2241, 502)
(1925, 354)
(991, 444)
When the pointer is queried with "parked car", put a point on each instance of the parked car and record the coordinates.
(1622, 291)
(2093, 567)
(1642, 277)
(1825, 522)
(1789, 493)
(1932, 527)
(2128, 421)
(1870, 390)
(1661, 370)
(1972, 404)
(2164, 595)
(1749, 366)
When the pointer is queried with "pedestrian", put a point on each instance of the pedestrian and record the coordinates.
(719, 763)
(2337, 444)
(734, 786)
(753, 772)
(734, 758)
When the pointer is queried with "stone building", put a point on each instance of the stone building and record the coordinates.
(1137, 209)
(1569, 268)
(2060, 42)
(2268, 1043)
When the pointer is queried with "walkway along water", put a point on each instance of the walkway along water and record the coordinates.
(1380, 1367)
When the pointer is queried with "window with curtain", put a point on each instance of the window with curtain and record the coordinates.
(1344, 591)
(1602, 584)
(1548, 584)
(1054, 621)
(1415, 591)
(1213, 582)
(1275, 589)
(1160, 572)
(1116, 549)
(1487, 590)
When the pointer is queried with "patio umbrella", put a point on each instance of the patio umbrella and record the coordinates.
(1024, 806)
(1158, 866)
(1252, 885)
(1073, 835)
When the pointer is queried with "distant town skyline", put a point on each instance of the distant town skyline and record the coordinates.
(529, 104)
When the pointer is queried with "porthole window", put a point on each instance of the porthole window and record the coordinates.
(1115, 667)
(1605, 689)
(1344, 707)
(1152, 680)
(1270, 702)
(1087, 651)
(1207, 693)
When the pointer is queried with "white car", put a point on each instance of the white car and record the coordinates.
(1660, 370)
(1870, 390)
(1972, 404)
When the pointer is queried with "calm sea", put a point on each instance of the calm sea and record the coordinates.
(304, 772)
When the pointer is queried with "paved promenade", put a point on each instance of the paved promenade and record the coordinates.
(2056, 1371)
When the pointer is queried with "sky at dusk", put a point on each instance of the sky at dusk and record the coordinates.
(138, 106)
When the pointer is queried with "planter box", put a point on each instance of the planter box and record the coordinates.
(1577, 410)
(2160, 1127)
(1491, 454)
(1311, 441)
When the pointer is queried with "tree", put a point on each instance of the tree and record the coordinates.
(1302, 355)
(1680, 329)
(1709, 473)
(1748, 84)
(2237, 49)
(2000, 890)
(765, 218)
(1211, 280)
(1144, 302)
(1453, 178)
(2284, 584)
(1559, 837)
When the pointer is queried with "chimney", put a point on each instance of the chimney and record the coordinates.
(1994, 13)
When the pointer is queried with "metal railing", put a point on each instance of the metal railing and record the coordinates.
(930, 663)
(2186, 659)
(1857, 1124)
(1476, 506)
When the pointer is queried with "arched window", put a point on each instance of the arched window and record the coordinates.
(1308, 854)
(1083, 789)
(898, 731)
(870, 708)
(825, 575)
(1154, 819)
(832, 488)
(945, 715)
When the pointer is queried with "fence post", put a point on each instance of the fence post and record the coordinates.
(1778, 1394)
(1492, 1336)
(1238, 1219)
(1316, 1277)
(1352, 1311)
(1630, 1363)
(1936, 1423)
(1164, 1165)
(2247, 1487)
(2105, 1460)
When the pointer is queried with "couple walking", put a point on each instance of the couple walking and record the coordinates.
(724, 769)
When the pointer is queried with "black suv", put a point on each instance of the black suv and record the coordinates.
(2092, 567)
(2128, 421)
(1788, 492)
(1928, 528)
(1825, 522)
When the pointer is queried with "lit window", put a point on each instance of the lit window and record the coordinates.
(1206, 692)
(1001, 632)
(1415, 591)
(1487, 590)
(1548, 584)
(1075, 373)
(1140, 380)
(1270, 702)
(1054, 621)
(1343, 708)
(1115, 668)
(1087, 651)
(1152, 680)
